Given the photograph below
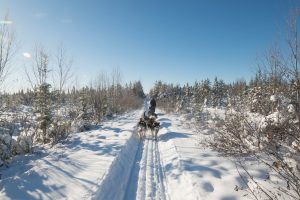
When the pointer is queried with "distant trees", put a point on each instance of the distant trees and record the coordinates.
(236, 93)
(109, 96)
(219, 93)
(168, 96)
(187, 97)
(137, 89)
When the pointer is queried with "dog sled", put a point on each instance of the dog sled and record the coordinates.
(148, 123)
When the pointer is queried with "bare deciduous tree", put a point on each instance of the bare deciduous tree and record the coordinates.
(116, 78)
(64, 65)
(40, 70)
(293, 44)
(7, 46)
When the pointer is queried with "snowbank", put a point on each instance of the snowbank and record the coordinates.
(115, 181)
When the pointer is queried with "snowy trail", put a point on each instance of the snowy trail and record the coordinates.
(147, 179)
(176, 167)
(113, 163)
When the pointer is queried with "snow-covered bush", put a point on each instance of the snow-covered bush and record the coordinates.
(272, 138)
(258, 101)
(73, 114)
(8, 125)
(24, 144)
(80, 126)
(5, 146)
(10, 147)
(237, 135)
(59, 129)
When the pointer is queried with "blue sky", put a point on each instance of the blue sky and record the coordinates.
(171, 40)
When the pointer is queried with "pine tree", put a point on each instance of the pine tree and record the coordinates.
(84, 105)
(219, 93)
(138, 89)
(42, 108)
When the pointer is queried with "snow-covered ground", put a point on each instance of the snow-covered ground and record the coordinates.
(83, 168)
(112, 163)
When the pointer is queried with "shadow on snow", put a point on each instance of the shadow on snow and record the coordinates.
(171, 135)
(134, 175)
(21, 180)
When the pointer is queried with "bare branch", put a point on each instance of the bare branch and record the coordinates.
(64, 68)
(39, 67)
(7, 47)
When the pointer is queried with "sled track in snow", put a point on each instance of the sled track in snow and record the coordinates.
(147, 178)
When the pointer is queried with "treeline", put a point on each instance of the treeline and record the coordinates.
(93, 103)
(259, 95)
(44, 115)
(98, 101)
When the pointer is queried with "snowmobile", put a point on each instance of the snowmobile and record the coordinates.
(148, 122)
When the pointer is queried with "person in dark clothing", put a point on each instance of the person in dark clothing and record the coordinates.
(152, 107)
(153, 103)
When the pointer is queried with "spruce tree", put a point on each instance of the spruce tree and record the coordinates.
(42, 108)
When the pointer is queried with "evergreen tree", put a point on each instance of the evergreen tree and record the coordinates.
(43, 109)
(219, 93)
(138, 89)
